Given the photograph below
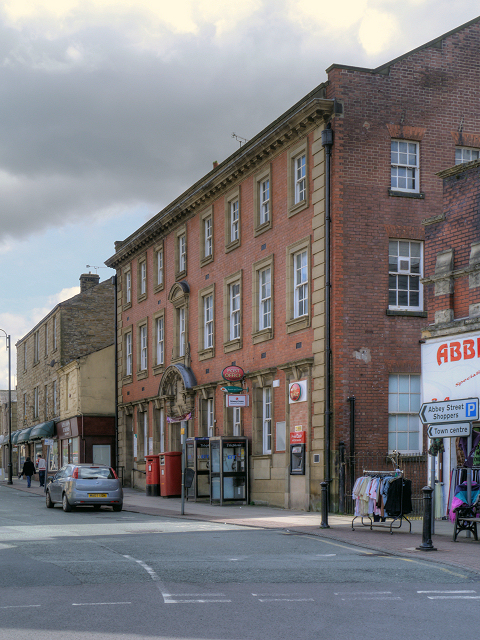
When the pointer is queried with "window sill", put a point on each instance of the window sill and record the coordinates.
(158, 287)
(297, 207)
(142, 297)
(296, 324)
(158, 369)
(232, 245)
(127, 380)
(181, 274)
(406, 312)
(126, 306)
(262, 336)
(406, 194)
(232, 345)
(261, 228)
(206, 260)
(141, 375)
(206, 354)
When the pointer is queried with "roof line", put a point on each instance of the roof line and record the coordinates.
(383, 69)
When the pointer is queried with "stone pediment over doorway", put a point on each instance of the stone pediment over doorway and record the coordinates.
(176, 389)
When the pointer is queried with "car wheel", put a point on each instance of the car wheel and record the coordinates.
(48, 501)
(66, 506)
(117, 507)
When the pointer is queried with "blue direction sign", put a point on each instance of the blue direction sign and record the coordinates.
(449, 411)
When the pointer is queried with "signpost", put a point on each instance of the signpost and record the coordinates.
(454, 430)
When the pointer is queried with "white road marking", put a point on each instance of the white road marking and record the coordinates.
(95, 604)
(325, 555)
(20, 606)
(454, 591)
(167, 596)
(269, 595)
(453, 597)
(373, 598)
(362, 593)
(286, 600)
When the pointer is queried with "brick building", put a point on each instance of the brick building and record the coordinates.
(236, 269)
(451, 340)
(48, 380)
(4, 418)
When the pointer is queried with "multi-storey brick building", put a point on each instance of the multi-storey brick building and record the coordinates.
(237, 269)
(49, 362)
(451, 340)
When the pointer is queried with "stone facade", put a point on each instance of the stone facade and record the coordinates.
(4, 418)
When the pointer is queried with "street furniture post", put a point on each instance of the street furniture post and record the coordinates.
(427, 544)
(324, 524)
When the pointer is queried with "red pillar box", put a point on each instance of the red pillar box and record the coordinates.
(153, 475)
(170, 473)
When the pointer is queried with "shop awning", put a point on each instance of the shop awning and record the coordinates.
(42, 430)
(15, 435)
(24, 435)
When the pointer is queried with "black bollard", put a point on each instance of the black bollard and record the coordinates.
(324, 524)
(427, 544)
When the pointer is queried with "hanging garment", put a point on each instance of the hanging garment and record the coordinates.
(399, 497)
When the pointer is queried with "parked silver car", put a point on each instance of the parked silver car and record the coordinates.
(85, 484)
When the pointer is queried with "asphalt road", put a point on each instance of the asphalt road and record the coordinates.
(104, 576)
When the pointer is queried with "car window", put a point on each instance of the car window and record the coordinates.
(60, 473)
(93, 473)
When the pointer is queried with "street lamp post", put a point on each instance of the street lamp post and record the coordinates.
(9, 347)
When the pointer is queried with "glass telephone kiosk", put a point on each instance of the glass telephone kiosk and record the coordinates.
(198, 459)
(229, 469)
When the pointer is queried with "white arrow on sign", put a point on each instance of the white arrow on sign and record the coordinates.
(460, 429)
(448, 411)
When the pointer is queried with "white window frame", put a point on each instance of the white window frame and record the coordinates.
(182, 346)
(210, 418)
(403, 408)
(160, 339)
(405, 166)
(46, 401)
(128, 287)
(264, 200)
(182, 253)
(301, 284)
(36, 346)
(208, 234)
(128, 354)
(54, 397)
(237, 421)
(406, 276)
(264, 299)
(208, 319)
(143, 348)
(234, 219)
(143, 278)
(145, 433)
(300, 178)
(159, 267)
(234, 295)
(267, 393)
(466, 154)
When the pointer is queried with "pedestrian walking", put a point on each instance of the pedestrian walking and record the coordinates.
(28, 471)
(41, 468)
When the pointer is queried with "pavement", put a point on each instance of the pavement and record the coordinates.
(464, 553)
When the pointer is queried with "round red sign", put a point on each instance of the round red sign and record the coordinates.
(295, 392)
(233, 373)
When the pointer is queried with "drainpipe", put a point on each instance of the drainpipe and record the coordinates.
(351, 400)
(114, 282)
(327, 142)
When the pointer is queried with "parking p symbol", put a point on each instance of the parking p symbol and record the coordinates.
(471, 410)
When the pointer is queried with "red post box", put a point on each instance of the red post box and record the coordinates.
(153, 475)
(170, 473)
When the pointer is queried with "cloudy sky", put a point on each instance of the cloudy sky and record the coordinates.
(110, 109)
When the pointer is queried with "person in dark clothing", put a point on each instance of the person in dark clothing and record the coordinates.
(28, 471)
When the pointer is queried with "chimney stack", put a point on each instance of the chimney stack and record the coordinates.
(88, 280)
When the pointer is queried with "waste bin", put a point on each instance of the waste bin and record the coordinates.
(153, 475)
(170, 473)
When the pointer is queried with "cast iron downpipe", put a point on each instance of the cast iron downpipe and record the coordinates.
(327, 142)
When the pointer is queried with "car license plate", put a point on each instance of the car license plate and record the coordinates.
(98, 495)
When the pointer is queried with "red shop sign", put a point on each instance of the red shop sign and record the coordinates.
(296, 437)
(233, 373)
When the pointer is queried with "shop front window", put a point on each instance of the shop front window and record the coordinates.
(53, 457)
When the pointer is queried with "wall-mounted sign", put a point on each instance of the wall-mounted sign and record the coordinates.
(64, 429)
(231, 389)
(237, 401)
(298, 437)
(297, 391)
(233, 373)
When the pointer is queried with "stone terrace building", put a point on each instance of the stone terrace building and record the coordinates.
(4, 428)
(234, 270)
(82, 325)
